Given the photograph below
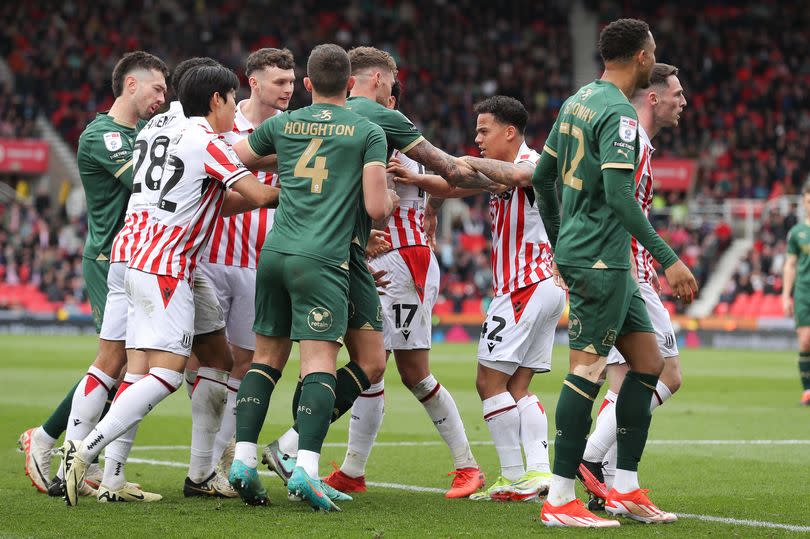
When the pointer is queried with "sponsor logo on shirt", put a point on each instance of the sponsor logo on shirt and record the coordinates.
(112, 141)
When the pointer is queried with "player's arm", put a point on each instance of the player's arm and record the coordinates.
(376, 198)
(789, 274)
(248, 194)
(117, 163)
(382, 224)
(509, 174)
(254, 161)
(434, 185)
(454, 170)
(544, 180)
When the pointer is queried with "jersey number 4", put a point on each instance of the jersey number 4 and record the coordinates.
(317, 173)
(153, 177)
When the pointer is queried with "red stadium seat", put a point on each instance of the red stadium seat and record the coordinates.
(471, 306)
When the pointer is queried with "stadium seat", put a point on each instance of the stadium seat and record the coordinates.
(471, 306)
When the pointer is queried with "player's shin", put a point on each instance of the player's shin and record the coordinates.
(227, 428)
(252, 401)
(314, 414)
(604, 433)
(573, 421)
(88, 403)
(503, 421)
(632, 425)
(116, 454)
(364, 424)
(442, 409)
(56, 424)
(207, 407)
(804, 369)
(130, 408)
(534, 433)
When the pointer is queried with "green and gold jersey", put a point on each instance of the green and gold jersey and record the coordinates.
(105, 166)
(596, 129)
(798, 244)
(322, 151)
(400, 134)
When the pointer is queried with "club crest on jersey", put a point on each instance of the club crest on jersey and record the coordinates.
(325, 115)
(574, 327)
(627, 128)
(319, 319)
(185, 341)
(112, 141)
(610, 338)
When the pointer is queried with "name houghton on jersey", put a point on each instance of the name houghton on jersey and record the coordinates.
(318, 129)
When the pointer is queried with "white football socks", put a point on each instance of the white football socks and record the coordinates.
(534, 434)
(365, 420)
(561, 491)
(130, 408)
(604, 433)
(88, 403)
(189, 377)
(245, 452)
(660, 395)
(288, 442)
(626, 481)
(207, 409)
(228, 426)
(309, 461)
(442, 409)
(117, 453)
(503, 421)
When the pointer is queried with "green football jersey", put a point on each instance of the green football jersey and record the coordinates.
(400, 134)
(799, 244)
(105, 166)
(596, 129)
(322, 151)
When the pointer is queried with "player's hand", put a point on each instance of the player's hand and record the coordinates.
(557, 278)
(787, 305)
(378, 243)
(655, 282)
(401, 173)
(379, 281)
(682, 282)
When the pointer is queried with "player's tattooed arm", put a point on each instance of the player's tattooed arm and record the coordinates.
(502, 172)
(382, 224)
(454, 170)
(430, 183)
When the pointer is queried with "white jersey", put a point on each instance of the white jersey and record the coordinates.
(644, 196)
(521, 254)
(238, 239)
(149, 157)
(199, 167)
(407, 224)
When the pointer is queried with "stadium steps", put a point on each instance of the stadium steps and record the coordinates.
(584, 28)
(62, 164)
(728, 264)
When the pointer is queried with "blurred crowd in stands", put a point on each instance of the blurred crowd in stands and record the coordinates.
(743, 67)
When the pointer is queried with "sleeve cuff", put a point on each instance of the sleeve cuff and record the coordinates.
(621, 166)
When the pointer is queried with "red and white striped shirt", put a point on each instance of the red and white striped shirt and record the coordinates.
(149, 158)
(407, 223)
(521, 255)
(199, 167)
(238, 239)
(644, 195)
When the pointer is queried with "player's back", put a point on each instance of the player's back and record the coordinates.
(596, 129)
(322, 151)
(105, 155)
(149, 156)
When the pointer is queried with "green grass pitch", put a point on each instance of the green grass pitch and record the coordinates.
(727, 395)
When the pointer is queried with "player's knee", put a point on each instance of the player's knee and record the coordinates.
(671, 377)
(111, 358)
(374, 371)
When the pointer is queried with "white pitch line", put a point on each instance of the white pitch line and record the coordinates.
(486, 442)
(414, 488)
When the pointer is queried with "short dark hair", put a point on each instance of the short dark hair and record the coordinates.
(363, 58)
(133, 61)
(269, 57)
(199, 84)
(506, 110)
(329, 69)
(661, 72)
(623, 38)
(396, 91)
(183, 67)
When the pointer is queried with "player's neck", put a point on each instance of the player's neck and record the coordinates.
(255, 111)
(623, 79)
(645, 118)
(368, 93)
(339, 100)
(512, 154)
(122, 112)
